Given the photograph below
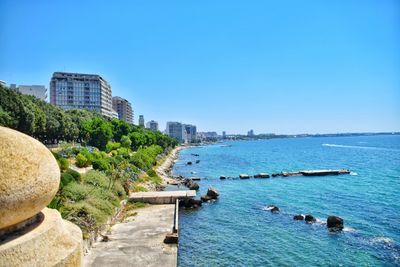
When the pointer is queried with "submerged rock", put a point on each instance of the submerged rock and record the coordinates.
(298, 217)
(310, 219)
(335, 223)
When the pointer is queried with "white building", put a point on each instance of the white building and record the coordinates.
(81, 91)
(38, 91)
(152, 125)
(176, 130)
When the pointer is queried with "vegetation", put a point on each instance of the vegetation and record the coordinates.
(120, 154)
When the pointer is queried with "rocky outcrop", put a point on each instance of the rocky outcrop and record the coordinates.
(261, 175)
(222, 177)
(335, 223)
(212, 193)
(191, 184)
(192, 203)
(310, 219)
(189, 163)
(273, 208)
(298, 217)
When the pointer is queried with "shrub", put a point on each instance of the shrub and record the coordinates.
(63, 163)
(139, 188)
(96, 178)
(76, 175)
(76, 192)
(82, 161)
(112, 146)
(65, 179)
(126, 141)
(101, 165)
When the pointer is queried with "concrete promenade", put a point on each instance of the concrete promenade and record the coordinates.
(161, 197)
(138, 241)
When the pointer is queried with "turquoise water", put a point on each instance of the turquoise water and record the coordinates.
(236, 230)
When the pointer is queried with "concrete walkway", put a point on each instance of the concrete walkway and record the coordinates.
(138, 241)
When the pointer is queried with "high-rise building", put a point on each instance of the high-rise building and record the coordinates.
(176, 130)
(38, 91)
(141, 121)
(223, 135)
(191, 133)
(250, 133)
(152, 125)
(124, 108)
(81, 91)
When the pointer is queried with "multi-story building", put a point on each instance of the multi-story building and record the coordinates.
(81, 91)
(250, 133)
(191, 133)
(141, 121)
(38, 91)
(124, 108)
(176, 130)
(223, 135)
(152, 125)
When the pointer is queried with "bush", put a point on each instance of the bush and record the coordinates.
(65, 179)
(76, 175)
(101, 165)
(82, 161)
(63, 163)
(97, 179)
(112, 146)
(126, 141)
(76, 192)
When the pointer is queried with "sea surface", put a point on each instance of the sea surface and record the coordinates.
(238, 230)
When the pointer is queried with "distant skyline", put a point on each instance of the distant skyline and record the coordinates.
(285, 67)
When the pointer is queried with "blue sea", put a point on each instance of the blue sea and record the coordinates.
(237, 230)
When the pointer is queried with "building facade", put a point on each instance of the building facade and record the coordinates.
(152, 125)
(191, 133)
(124, 109)
(38, 91)
(176, 130)
(141, 121)
(81, 91)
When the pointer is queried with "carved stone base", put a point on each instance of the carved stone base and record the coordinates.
(51, 241)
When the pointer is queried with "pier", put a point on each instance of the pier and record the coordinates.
(162, 197)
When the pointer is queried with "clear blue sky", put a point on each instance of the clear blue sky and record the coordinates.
(272, 66)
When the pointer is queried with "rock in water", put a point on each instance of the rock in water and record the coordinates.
(213, 193)
(205, 198)
(273, 208)
(298, 217)
(29, 177)
(335, 223)
(310, 219)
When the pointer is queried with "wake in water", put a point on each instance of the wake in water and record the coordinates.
(361, 147)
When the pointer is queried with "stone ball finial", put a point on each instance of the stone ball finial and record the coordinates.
(29, 177)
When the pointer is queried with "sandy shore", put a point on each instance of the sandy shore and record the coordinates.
(164, 170)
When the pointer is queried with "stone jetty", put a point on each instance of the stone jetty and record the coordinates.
(30, 233)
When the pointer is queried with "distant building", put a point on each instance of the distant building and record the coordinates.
(223, 135)
(152, 125)
(141, 121)
(81, 91)
(250, 133)
(123, 108)
(38, 91)
(176, 130)
(3, 83)
(191, 133)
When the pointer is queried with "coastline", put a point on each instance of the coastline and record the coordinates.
(165, 168)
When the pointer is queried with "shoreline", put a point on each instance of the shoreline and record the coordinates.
(164, 170)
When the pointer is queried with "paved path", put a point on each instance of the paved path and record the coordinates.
(138, 241)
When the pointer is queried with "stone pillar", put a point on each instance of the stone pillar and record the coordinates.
(30, 233)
